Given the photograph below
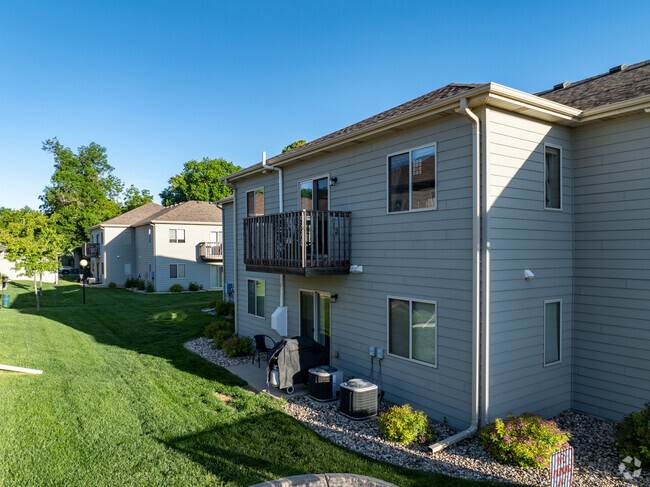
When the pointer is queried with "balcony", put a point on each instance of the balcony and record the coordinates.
(211, 251)
(303, 243)
(90, 250)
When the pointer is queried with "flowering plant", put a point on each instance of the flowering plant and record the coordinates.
(526, 441)
(633, 436)
(402, 424)
(237, 346)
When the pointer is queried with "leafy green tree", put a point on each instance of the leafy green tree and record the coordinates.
(83, 190)
(134, 198)
(199, 181)
(293, 145)
(33, 243)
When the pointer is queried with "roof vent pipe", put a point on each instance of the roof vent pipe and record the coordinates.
(559, 86)
(616, 69)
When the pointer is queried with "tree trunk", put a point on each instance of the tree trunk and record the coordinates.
(38, 304)
(40, 285)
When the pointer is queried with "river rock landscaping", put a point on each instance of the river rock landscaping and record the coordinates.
(596, 460)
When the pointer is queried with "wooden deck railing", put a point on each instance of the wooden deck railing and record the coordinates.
(305, 242)
(211, 250)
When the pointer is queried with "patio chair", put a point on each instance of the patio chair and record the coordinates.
(263, 343)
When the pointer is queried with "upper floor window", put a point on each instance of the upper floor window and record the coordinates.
(412, 180)
(127, 237)
(255, 202)
(552, 178)
(176, 235)
(149, 234)
(314, 194)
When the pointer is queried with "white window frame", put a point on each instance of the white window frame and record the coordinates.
(222, 274)
(150, 234)
(435, 175)
(549, 301)
(409, 358)
(322, 176)
(247, 312)
(552, 146)
(130, 273)
(177, 266)
(263, 199)
(176, 230)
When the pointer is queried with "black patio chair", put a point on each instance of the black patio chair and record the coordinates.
(263, 343)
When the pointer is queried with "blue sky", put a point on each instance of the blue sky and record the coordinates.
(159, 83)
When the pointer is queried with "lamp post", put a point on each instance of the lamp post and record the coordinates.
(83, 263)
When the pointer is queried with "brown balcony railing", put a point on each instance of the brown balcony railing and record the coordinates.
(306, 243)
(90, 250)
(211, 251)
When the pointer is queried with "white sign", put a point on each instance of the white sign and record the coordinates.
(562, 468)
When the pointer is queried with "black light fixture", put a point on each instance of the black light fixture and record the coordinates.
(333, 181)
(334, 298)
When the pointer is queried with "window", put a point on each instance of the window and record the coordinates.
(412, 330)
(216, 236)
(255, 202)
(127, 269)
(314, 194)
(552, 331)
(149, 233)
(552, 178)
(177, 271)
(256, 293)
(127, 237)
(216, 276)
(412, 180)
(176, 236)
(315, 316)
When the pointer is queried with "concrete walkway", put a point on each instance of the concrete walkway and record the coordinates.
(326, 480)
(256, 378)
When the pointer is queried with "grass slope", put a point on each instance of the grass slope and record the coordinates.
(121, 402)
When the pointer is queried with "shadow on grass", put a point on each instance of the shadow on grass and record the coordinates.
(153, 324)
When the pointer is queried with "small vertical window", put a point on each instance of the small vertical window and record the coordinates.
(256, 296)
(412, 330)
(150, 234)
(552, 331)
(127, 269)
(255, 202)
(553, 178)
(172, 236)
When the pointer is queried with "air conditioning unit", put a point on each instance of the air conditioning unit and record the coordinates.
(358, 399)
(324, 383)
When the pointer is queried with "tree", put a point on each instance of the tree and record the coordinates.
(33, 243)
(134, 198)
(199, 181)
(293, 145)
(83, 190)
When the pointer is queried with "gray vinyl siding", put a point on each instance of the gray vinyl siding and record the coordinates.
(228, 243)
(612, 267)
(144, 252)
(115, 253)
(424, 255)
(521, 235)
(167, 253)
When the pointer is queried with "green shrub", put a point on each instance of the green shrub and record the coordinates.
(237, 346)
(526, 441)
(223, 308)
(131, 282)
(176, 288)
(112, 285)
(633, 436)
(141, 284)
(220, 337)
(150, 287)
(212, 304)
(402, 424)
(193, 286)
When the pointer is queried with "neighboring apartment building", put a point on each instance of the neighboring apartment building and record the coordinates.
(492, 242)
(7, 268)
(164, 245)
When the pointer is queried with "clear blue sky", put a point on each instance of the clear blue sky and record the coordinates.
(159, 83)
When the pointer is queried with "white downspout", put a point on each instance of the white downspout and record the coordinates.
(476, 275)
(281, 200)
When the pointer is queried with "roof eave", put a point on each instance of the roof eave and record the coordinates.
(641, 103)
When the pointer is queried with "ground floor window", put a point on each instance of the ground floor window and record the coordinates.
(256, 296)
(216, 276)
(177, 271)
(127, 269)
(412, 329)
(552, 331)
(315, 316)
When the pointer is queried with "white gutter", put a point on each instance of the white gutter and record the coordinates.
(476, 274)
(281, 198)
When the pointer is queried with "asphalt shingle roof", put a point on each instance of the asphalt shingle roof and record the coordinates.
(189, 211)
(134, 216)
(604, 89)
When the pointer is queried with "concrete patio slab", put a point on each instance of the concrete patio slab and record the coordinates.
(256, 378)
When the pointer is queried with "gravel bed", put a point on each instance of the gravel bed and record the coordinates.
(203, 347)
(596, 463)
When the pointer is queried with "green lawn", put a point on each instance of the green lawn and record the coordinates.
(121, 402)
